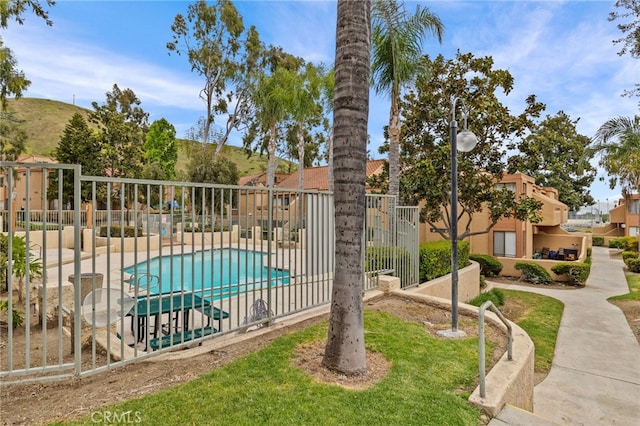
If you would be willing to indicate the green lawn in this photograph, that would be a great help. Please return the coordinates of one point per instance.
(633, 280)
(429, 383)
(541, 321)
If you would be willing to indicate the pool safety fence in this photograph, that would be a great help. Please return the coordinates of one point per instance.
(165, 265)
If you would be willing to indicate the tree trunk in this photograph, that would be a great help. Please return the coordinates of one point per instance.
(300, 159)
(394, 149)
(345, 349)
(272, 161)
(330, 160)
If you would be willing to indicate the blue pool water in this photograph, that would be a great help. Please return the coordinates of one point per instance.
(215, 273)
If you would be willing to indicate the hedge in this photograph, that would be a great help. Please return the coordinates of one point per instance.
(435, 258)
(633, 265)
(489, 265)
(577, 271)
(597, 240)
(626, 255)
(386, 258)
(533, 273)
(118, 231)
(625, 243)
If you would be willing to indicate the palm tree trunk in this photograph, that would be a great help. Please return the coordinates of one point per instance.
(394, 149)
(345, 350)
(272, 161)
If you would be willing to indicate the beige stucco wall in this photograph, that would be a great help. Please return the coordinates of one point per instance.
(468, 284)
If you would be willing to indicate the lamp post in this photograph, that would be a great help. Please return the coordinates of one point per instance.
(464, 141)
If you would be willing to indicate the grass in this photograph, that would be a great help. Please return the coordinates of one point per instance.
(44, 121)
(633, 280)
(541, 320)
(428, 384)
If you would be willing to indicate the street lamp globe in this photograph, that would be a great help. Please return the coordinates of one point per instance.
(466, 141)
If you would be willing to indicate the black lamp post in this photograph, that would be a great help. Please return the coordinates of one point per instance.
(464, 141)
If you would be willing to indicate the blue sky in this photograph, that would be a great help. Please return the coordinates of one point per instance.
(561, 51)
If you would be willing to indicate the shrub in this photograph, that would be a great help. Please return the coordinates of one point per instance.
(489, 265)
(589, 251)
(633, 265)
(533, 273)
(386, 258)
(118, 231)
(630, 243)
(496, 296)
(577, 271)
(435, 258)
(18, 316)
(616, 243)
(597, 240)
(626, 255)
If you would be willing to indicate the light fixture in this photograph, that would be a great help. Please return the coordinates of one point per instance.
(464, 141)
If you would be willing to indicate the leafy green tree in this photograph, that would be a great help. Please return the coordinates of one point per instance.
(78, 145)
(13, 138)
(160, 147)
(204, 169)
(617, 143)
(426, 153)
(272, 103)
(397, 60)
(345, 348)
(122, 127)
(16, 8)
(12, 80)
(23, 262)
(305, 104)
(552, 155)
(211, 38)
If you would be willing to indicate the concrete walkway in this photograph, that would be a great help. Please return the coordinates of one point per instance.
(595, 376)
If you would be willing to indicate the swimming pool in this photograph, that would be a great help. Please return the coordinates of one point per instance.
(212, 273)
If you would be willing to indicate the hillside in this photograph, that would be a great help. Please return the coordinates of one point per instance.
(44, 121)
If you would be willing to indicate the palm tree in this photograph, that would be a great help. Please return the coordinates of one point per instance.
(618, 143)
(345, 351)
(397, 60)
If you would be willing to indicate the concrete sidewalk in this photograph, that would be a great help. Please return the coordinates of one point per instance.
(595, 376)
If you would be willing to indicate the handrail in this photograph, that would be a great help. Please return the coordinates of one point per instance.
(481, 362)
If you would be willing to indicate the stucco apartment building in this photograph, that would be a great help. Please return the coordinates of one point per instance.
(511, 240)
(624, 219)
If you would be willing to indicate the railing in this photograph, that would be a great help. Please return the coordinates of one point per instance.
(292, 249)
(481, 351)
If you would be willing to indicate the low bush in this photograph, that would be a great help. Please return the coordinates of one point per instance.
(633, 265)
(597, 240)
(626, 255)
(435, 258)
(616, 243)
(386, 258)
(577, 271)
(496, 296)
(119, 231)
(489, 265)
(625, 243)
(533, 273)
(16, 315)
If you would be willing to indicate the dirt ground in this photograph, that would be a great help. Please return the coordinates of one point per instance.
(42, 403)
(46, 402)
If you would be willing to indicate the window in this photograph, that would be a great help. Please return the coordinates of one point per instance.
(634, 207)
(511, 186)
(504, 244)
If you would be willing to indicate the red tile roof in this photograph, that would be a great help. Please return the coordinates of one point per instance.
(317, 178)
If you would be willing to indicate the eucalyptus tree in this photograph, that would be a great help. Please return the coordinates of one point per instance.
(211, 38)
(345, 349)
(553, 154)
(426, 151)
(397, 60)
(272, 107)
(617, 143)
(306, 111)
